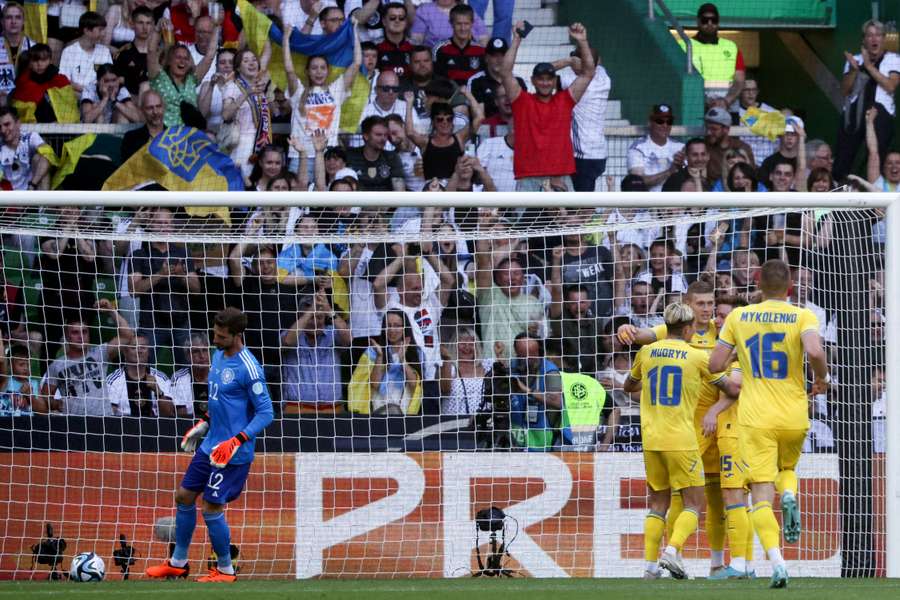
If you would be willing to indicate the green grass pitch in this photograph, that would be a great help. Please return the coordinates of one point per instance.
(471, 589)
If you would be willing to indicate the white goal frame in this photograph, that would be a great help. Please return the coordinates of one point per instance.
(889, 202)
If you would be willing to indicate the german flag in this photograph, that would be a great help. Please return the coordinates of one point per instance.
(32, 90)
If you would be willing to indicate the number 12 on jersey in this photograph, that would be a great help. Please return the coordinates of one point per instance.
(765, 361)
(665, 385)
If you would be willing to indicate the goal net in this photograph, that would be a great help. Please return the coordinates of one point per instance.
(421, 362)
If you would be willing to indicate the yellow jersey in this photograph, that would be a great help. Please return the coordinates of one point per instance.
(701, 340)
(727, 421)
(767, 337)
(672, 373)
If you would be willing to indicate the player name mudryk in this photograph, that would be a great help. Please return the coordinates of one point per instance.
(668, 353)
(768, 317)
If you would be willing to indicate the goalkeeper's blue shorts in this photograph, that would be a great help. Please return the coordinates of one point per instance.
(219, 486)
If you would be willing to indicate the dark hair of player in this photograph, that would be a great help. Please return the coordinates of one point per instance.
(231, 319)
(774, 278)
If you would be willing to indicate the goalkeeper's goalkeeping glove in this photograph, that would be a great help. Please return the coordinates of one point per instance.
(192, 438)
(224, 451)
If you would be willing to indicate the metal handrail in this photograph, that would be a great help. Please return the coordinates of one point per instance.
(673, 22)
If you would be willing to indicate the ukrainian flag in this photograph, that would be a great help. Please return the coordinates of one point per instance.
(337, 48)
(36, 20)
(86, 161)
(179, 159)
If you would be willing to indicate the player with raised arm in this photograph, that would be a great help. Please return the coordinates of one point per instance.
(771, 338)
(700, 297)
(240, 408)
(671, 374)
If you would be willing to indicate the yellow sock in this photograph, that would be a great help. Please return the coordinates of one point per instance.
(654, 526)
(675, 508)
(750, 544)
(766, 525)
(715, 516)
(786, 481)
(685, 525)
(738, 526)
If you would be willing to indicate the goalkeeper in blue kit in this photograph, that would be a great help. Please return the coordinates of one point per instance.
(239, 409)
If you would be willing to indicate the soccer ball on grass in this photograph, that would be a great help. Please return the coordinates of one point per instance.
(87, 566)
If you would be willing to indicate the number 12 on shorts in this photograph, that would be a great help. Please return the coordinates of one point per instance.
(765, 361)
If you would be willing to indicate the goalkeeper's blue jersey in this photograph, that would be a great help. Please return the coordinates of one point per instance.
(238, 401)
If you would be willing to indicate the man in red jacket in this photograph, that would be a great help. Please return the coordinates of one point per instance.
(544, 157)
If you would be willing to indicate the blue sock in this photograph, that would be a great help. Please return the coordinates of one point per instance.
(220, 537)
(185, 522)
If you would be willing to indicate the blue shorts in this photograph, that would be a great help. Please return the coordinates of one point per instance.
(219, 486)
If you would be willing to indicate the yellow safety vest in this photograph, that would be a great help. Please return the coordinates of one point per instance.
(715, 62)
(583, 401)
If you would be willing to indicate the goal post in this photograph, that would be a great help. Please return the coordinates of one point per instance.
(369, 495)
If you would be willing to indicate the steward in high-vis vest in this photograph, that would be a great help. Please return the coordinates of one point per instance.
(583, 401)
(719, 61)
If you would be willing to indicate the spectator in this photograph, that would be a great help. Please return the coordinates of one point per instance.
(819, 155)
(80, 60)
(820, 180)
(388, 378)
(22, 154)
(505, 309)
(485, 84)
(719, 61)
(131, 59)
(163, 276)
(536, 397)
(74, 381)
(695, 168)
(803, 284)
(16, 45)
(386, 100)
(63, 28)
(462, 373)
(245, 108)
(267, 167)
(153, 109)
(749, 98)
(659, 274)
(365, 321)
(544, 119)
(330, 20)
(176, 82)
(212, 93)
(887, 179)
(742, 178)
(729, 159)
(118, 30)
(299, 263)
(409, 153)
(312, 362)
(107, 101)
(376, 169)
(395, 49)
(575, 327)
(655, 157)
(190, 387)
(17, 387)
(718, 142)
(788, 149)
(443, 147)
(644, 309)
(458, 58)
(501, 122)
(495, 154)
(32, 97)
(136, 389)
(205, 40)
(469, 176)
(744, 270)
(503, 14)
(433, 24)
(870, 80)
(580, 262)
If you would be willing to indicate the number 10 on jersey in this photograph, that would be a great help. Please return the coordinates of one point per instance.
(665, 385)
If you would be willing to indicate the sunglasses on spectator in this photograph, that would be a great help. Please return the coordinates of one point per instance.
(396, 18)
(706, 20)
(389, 88)
(663, 121)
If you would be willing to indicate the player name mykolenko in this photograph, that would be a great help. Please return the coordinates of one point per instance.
(768, 317)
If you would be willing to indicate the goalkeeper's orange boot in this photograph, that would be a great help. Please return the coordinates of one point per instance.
(167, 571)
(217, 576)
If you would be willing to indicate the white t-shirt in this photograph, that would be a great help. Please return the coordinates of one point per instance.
(496, 157)
(117, 391)
(89, 94)
(589, 116)
(7, 68)
(372, 109)
(80, 66)
(414, 183)
(323, 111)
(198, 58)
(424, 320)
(365, 320)
(651, 158)
(890, 63)
(16, 162)
(244, 121)
(182, 390)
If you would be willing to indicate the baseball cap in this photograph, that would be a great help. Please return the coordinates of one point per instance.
(543, 68)
(708, 8)
(662, 110)
(790, 122)
(719, 116)
(497, 45)
(346, 172)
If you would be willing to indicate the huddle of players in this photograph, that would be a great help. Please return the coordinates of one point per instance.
(728, 436)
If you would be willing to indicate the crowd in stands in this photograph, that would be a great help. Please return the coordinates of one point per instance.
(448, 327)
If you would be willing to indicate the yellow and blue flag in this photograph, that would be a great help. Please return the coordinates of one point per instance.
(337, 48)
(36, 20)
(179, 159)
